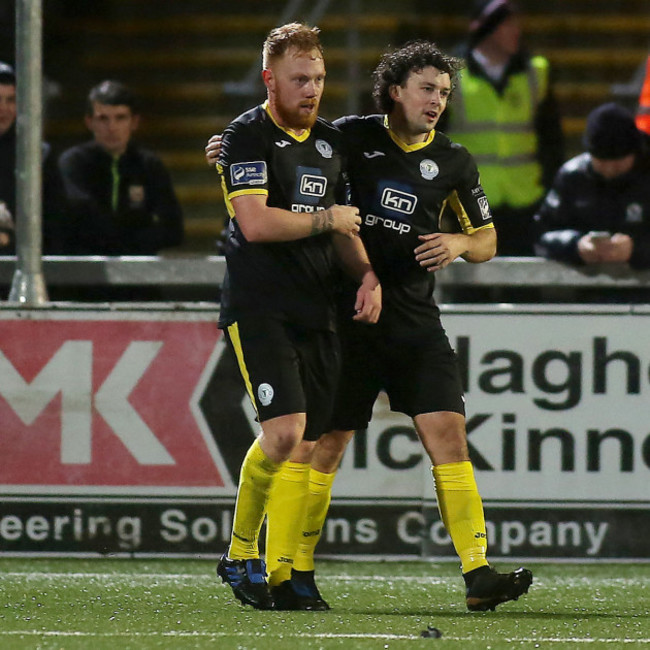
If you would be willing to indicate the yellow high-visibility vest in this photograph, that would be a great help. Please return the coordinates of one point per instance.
(498, 130)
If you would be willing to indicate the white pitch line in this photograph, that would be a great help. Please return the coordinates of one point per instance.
(204, 577)
(222, 635)
(539, 582)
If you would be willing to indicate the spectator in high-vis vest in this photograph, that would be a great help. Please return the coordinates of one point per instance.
(643, 111)
(505, 114)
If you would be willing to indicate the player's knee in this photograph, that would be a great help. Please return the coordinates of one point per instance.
(286, 441)
(282, 435)
(330, 450)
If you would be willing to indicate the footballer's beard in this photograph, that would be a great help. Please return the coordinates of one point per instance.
(294, 118)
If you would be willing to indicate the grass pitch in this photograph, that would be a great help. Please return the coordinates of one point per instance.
(139, 604)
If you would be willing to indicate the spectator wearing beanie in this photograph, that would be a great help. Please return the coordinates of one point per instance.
(504, 112)
(598, 209)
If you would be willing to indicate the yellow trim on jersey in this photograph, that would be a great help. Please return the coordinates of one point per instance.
(252, 190)
(233, 332)
(300, 138)
(459, 210)
(224, 189)
(408, 148)
(487, 226)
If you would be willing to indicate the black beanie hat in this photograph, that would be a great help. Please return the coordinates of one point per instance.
(611, 132)
(487, 16)
(7, 74)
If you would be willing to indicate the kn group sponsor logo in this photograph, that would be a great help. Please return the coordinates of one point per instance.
(111, 405)
(391, 224)
(313, 185)
(398, 201)
(310, 187)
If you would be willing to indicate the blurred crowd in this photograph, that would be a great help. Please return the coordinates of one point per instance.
(111, 196)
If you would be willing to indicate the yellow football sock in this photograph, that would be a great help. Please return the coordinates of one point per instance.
(255, 481)
(318, 503)
(285, 516)
(461, 510)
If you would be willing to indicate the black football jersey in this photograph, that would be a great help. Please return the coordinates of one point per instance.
(404, 191)
(294, 279)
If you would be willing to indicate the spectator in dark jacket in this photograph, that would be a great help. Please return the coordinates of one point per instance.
(120, 195)
(598, 210)
(53, 200)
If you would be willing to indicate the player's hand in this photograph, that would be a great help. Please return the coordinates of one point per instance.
(213, 149)
(345, 219)
(368, 304)
(439, 249)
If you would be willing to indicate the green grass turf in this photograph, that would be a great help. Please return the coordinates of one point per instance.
(142, 604)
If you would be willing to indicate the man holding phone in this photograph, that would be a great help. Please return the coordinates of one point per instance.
(598, 210)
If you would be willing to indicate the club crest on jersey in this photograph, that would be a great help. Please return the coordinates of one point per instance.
(399, 201)
(429, 169)
(248, 173)
(324, 148)
(265, 394)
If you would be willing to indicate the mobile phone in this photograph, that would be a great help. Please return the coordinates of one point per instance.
(599, 235)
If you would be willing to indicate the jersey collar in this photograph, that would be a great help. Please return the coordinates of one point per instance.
(408, 147)
(300, 138)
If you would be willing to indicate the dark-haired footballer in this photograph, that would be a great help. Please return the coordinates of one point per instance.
(404, 177)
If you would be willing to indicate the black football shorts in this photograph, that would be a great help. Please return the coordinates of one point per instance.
(419, 375)
(287, 369)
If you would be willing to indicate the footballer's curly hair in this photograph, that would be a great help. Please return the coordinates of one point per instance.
(293, 35)
(395, 67)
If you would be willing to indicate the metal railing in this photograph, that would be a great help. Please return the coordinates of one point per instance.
(207, 272)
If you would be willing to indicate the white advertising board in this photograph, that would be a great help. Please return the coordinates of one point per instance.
(123, 432)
